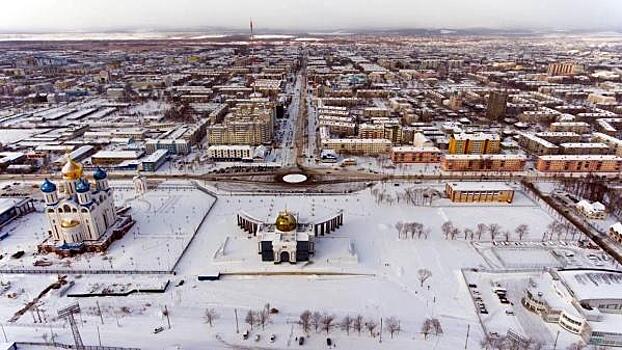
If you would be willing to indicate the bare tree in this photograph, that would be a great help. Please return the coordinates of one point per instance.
(357, 323)
(327, 322)
(371, 326)
(392, 325)
(468, 233)
(305, 321)
(423, 275)
(576, 346)
(447, 227)
(438, 330)
(316, 317)
(494, 230)
(210, 316)
(263, 317)
(400, 229)
(455, 232)
(507, 235)
(481, 229)
(487, 342)
(346, 323)
(417, 230)
(426, 328)
(250, 318)
(521, 231)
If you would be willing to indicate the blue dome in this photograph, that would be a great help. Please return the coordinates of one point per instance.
(83, 186)
(99, 174)
(48, 186)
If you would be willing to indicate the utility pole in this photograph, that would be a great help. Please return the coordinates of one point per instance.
(556, 339)
(466, 341)
(380, 330)
(168, 320)
(237, 325)
(99, 336)
(99, 309)
(6, 340)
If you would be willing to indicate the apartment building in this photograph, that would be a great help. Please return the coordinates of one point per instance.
(413, 154)
(483, 162)
(474, 144)
(366, 147)
(579, 163)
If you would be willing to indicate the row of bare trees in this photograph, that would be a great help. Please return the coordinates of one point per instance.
(325, 322)
(557, 229)
(259, 317)
(414, 229)
(413, 196)
(431, 326)
(493, 231)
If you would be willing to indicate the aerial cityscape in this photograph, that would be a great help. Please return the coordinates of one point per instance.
(261, 186)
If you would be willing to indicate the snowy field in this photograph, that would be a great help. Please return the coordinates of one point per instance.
(166, 218)
(363, 268)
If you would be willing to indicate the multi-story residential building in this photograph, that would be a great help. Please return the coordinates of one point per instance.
(474, 144)
(230, 152)
(413, 154)
(173, 146)
(578, 127)
(368, 147)
(497, 104)
(564, 68)
(536, 145)
(584, 148)
(248, 124)
(614, 144)
(579, 163)
(483, 162)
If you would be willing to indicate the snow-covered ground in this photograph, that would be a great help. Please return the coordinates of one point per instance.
(166, 219)
(362, 268)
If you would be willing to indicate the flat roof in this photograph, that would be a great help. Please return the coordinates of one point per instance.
(587, 284)
(117, 154)
(485, 156)
(480, 186)
(8, 203)
(581, 157)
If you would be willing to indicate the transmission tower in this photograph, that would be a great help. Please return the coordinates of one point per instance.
(67, 313)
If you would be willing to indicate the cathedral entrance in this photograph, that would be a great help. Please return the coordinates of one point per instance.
(284, 257)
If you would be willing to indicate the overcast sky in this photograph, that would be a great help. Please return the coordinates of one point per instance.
(85, 15)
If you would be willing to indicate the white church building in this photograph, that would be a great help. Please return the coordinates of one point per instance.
(78, 211)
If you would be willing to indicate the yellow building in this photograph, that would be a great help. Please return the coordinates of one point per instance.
(474, 144)
(479, 192)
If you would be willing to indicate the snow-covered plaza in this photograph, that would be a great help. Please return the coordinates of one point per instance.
(368, 267)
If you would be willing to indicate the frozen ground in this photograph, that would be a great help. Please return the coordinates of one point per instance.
(166, 218)
(362, 268)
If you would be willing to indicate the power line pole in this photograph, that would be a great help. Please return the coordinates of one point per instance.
(237, 325)
(99, 336)
(168, 320)
(466, 341)
(556, 339)
(380, 330)
(6, 340)
(99, 309)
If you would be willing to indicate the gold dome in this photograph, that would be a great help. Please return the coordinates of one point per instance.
(72, 170)
(69, 223)
(285, 222)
